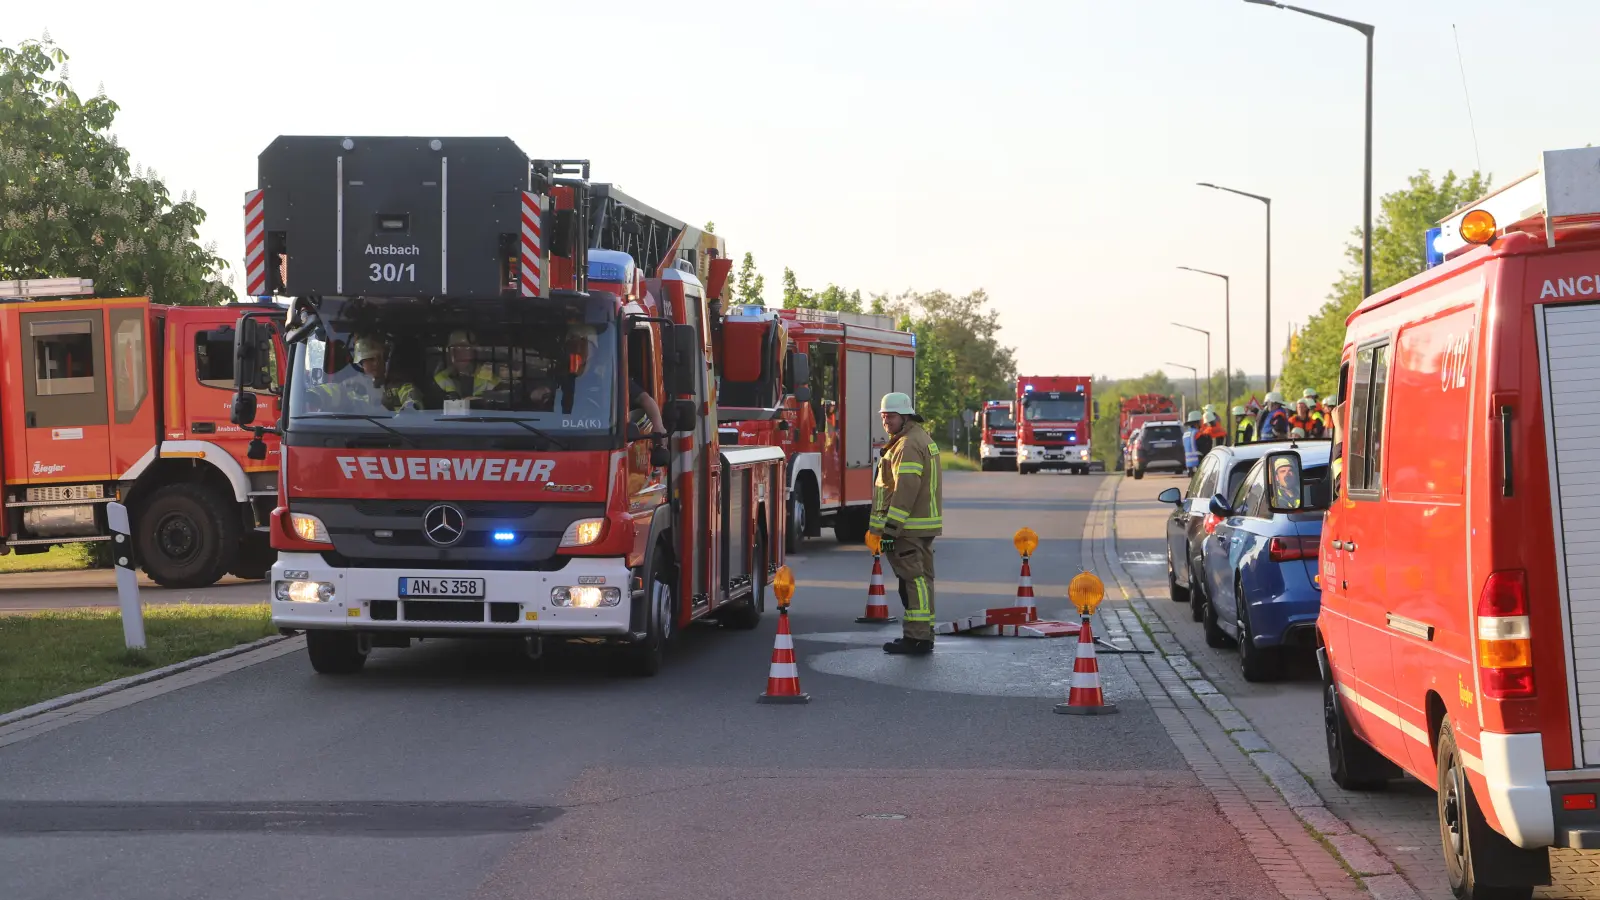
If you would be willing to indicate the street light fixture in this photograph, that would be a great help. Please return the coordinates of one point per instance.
(1366, 193)
(1209, 370)
(1195, 373)
(1227, 338)
(1268, 202)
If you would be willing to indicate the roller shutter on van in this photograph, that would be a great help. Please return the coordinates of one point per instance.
(1571, 375)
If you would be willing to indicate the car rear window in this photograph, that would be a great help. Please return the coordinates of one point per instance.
(1162, 433)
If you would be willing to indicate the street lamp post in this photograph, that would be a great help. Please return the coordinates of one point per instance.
(1227, 338)
(1268, 202)
(1195, 376)
(1366, 193)
(1209, 370)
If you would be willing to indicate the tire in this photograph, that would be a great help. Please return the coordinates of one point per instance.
(794, 530)
(747, 615)
(850, 525)
(1473, 852)
(1175, 592)
(1257, 664)
(1138, 473)
(1197, 597)
(646, 658)
(1352, 763)
(1215, 636)
(187, 536)
(337, 652)
(255, 557)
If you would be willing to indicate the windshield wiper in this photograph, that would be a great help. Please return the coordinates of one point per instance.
(560, 445)
(365, 418)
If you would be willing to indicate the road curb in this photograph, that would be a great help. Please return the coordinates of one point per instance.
(1377, 872)
(122, 684)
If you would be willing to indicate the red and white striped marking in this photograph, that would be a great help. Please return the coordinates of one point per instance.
(532, 269)
(877, 607)
(1008, 621)
(1025, 591)
(255, 243)
(783, 681)
(1086, 698)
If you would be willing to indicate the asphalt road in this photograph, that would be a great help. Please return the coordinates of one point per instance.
(462, 770)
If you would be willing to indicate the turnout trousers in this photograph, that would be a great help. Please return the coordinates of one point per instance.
(912, 561)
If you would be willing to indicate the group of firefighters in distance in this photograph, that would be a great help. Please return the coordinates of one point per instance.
(1274, 420)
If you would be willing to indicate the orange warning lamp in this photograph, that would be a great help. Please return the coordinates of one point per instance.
(1477, 227)
(1026, 541)
(874, 543)
(1086, 590)
(783, 586)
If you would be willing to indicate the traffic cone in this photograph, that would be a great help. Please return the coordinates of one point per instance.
(877, 607)
(783, 681)
(1085, 698)
(1025, 592)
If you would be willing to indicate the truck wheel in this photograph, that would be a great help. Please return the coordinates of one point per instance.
(747, 615)
(1352, 763)
(1138, 473)
(984, 466)
(1481, 863)
(646, 657)
(187, 536)
(337, 652)
(1255, 663)
(850, 525)
(794, 530)
(255, 557)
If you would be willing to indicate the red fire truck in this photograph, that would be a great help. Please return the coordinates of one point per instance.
(1460, 596)
(997, 435)
(122, 399)
(1055, 415)
(1135, 412)
(464, 448)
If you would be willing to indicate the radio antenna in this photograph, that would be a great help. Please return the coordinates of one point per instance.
(1471, 122)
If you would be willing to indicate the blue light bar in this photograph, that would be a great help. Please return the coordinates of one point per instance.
(503, 537)
(605, 271)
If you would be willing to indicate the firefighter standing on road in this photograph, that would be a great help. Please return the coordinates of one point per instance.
(905, 513)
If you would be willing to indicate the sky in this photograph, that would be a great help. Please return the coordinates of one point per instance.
(1045, 152)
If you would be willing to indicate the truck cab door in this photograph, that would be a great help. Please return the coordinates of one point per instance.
(65, 402)
(204, 369)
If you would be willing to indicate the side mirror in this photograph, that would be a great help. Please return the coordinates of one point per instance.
(1219, 507)
(682, 353)
(244, 408)
(800, 373)
(1285, 493)
(1170, 495)
(247, 340)
(679, 415)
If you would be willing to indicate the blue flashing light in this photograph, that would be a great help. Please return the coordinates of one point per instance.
(599, 270)
(1430, 254)
(1026, 388)
(504, 537)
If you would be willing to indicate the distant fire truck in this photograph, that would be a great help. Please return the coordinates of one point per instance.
(1055, 417)
(997, 427)
(106, 399)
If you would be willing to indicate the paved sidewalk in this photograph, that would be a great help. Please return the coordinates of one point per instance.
(1399, 822)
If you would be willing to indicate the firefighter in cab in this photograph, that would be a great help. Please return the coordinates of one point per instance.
(905, 514)
(371, 387)
(461, 378)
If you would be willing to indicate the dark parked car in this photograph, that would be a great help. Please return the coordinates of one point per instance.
(1221, 472)
(1261, 561)
(1158, 445)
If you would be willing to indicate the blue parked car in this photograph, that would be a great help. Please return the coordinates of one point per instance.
(1260, 564)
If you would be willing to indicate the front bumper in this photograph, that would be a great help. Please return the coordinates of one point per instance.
(361, 593)
(996, 451)
(1051, 457)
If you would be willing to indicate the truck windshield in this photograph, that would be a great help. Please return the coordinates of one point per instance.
(1000, 418)
(443, 366)
(1043, 409)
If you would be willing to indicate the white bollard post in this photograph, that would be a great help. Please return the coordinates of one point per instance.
(127, 577)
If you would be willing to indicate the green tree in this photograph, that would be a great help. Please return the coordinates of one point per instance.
(751, 287)
(960, 360)
(711, 228)
(1398, 238)
(71, 206)
(832, 297)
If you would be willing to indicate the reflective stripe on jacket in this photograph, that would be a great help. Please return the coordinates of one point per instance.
(906, 495)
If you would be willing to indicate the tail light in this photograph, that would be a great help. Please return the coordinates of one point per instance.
(1211, 522)
(1284, 549)
(1505, 645)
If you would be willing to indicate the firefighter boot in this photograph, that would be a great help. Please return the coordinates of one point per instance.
(906, 647)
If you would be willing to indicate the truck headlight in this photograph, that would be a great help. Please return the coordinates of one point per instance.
(583, 532)
(303, 591)
(585, 597)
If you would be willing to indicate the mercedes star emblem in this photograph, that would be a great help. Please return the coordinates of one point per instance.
(444, 525)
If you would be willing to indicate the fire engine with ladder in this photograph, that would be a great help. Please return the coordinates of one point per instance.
(105, 399)
(473, 335)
